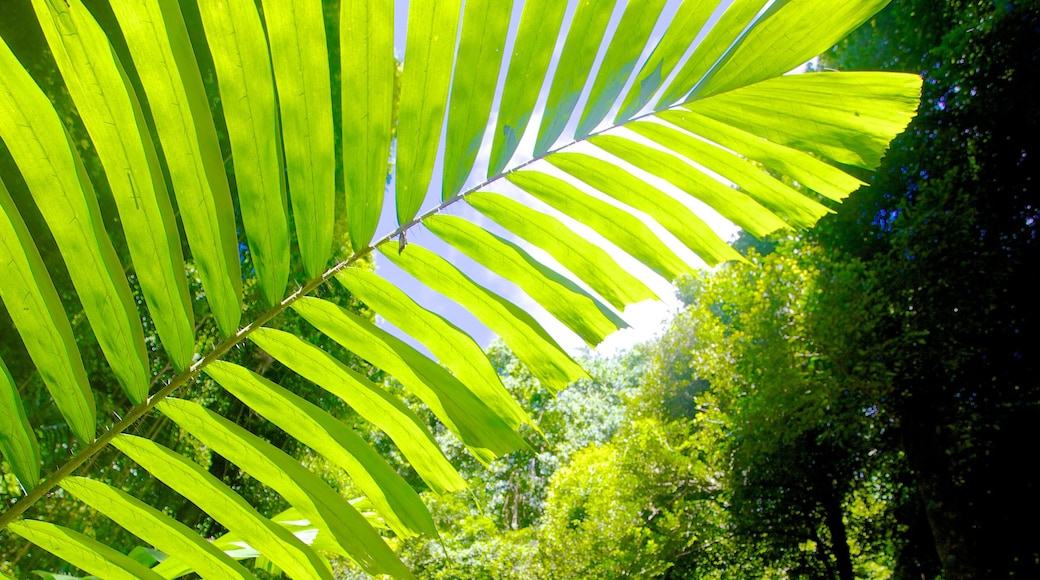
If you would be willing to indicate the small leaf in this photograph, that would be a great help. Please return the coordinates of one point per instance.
(575, 308)
(540, 25)
(82, 552)
(154, 527)
(622, 228)
(225, 506)
(305, 491)
(369, 400)
(158, 41)
(429, 54)
(368, 69)
(528, 340)
(301, 71)
(243, 68)
(395, 500)
(17, 439)
(579, 52)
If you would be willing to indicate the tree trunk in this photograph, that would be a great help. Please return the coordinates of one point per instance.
(948, 518)
(835, 521)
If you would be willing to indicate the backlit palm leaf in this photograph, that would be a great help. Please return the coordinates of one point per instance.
(638, 123)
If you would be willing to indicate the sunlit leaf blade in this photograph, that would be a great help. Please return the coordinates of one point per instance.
(691, 16)
(526, 338)
(82, 552)
(393, 498)
(367, 77)
(17, 439)
(624, 51)
(35, 309)
(672, 214)
(729, 202)
(237, 547)
(243, 68)
(794, 207)
(476, 424)
(794, 32)
(429, 54)
(854, 115)
(622, 228)
(825, 179)
(485, 25)
(565, 300)
(452, 347)
(225, 506)
(370, 401)
(723, 36)
(305, 491)
(154, 527)
(163, 57)
(113, 118)
(540, 25)
(52, 169)
(301, 70)
(579, 52)
(589, 262)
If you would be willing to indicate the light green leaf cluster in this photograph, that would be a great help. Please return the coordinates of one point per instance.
(138, 86)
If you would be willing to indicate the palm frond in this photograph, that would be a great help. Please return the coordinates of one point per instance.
(645, 117)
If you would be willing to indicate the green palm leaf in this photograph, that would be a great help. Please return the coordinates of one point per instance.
(665, 126)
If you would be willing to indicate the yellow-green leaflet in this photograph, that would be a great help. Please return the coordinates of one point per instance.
(854, 115)
(796, 209)
(579, 52)
(452, 347)
(237, 548)
(578, 310)
(112, 116)
(367, 73)
(589, 262)
(672, 214)
(370, 401)
(539, 27)
(691, 16)
(82, 552)
(247, 92)
(391, 495)
(733, 25)
(529, 341)
(52, 169)
(35, 308)
(225, 506)
(485, 25)
(305, 491)
(729, 202)
(825, 179)
(622, 54)
(163, 56)
(477, 425)
(622, 228)
(429, 54)
(793, 32)
(301, 70)
(17, 439)
(155, 528)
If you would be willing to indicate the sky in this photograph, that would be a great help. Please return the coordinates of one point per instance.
(645, 319)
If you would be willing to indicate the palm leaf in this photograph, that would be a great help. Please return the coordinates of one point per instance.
(667, 127)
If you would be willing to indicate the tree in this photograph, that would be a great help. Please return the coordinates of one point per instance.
(946, 232)
(132, 70)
